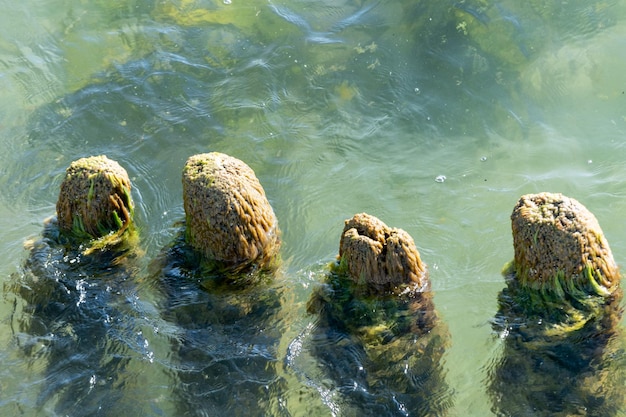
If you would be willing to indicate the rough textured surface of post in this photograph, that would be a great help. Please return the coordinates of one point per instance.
(559, 315)
(559, 246)
(378, 255)
(95, 198)
(228, 217)
(377, 334)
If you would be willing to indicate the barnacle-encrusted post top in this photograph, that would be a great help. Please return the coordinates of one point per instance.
(380, 256)
(559, 246)
(95, 198)
(228, 217)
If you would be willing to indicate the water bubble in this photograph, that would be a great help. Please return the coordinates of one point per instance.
(228, 1)
(440, 178)
(417, 90)
(590, 161)
(483, 159)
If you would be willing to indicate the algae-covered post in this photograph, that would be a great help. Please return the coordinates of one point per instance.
(220, 289)
(560, 247)
(380, 257)
(95, 198)
(73, 295)
(228, 217)
(558, 314)
(377, 333)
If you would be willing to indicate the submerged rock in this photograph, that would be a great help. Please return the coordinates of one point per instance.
(95, 198)
(559, 315)
(228, 217)
(377, 334)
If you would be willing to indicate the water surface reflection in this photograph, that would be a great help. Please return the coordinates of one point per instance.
(79, 324)
(339, 107)
(226, 342)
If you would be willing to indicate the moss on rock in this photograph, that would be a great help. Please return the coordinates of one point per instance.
(384, 258)
(228, 217)
(95, 198)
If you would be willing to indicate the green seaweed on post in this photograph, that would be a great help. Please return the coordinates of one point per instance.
(376, 300)
(95, 204)
(558, 315)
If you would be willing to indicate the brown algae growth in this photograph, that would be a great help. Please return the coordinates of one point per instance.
(95, 201)
(558, 315)
(377, 330)
(563, 269)
(559, 246)
(228, 217)
(384, 258)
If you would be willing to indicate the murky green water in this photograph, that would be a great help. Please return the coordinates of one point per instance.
(433, 116)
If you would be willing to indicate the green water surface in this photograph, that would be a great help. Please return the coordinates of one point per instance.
(434, 116)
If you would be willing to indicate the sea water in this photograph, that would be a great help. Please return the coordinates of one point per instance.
(433, 116)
